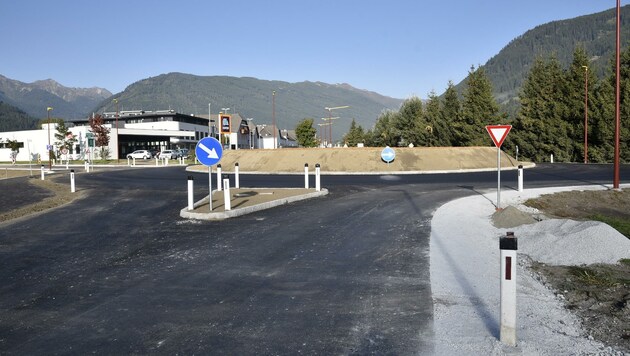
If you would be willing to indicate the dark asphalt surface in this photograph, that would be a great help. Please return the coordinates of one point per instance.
(119, 271)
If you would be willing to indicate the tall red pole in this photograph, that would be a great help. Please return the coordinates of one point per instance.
(617, 100)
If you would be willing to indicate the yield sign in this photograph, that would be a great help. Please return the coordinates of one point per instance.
(498, 133)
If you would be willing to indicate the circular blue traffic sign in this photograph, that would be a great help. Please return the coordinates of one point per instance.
(209, 151)
(388, 154)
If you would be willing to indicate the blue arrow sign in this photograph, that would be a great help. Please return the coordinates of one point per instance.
(388, 154)
(209, 151)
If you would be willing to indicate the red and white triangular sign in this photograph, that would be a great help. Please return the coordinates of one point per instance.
(498, 133)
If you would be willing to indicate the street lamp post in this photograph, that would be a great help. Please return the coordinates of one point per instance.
(585, 114)
(48, 109)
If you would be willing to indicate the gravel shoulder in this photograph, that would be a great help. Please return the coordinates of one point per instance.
(599, 293)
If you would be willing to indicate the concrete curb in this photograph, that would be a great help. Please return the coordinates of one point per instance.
(185, 213)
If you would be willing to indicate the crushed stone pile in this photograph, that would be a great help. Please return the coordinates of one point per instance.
(563, 241)
(511, 217)
(570, 242)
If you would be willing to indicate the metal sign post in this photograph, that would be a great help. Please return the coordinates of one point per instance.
(498, 133)
(209, 152)
(210, 187)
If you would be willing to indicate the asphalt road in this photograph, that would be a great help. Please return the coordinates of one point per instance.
(119, 271)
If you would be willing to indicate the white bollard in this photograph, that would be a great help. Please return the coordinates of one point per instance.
(237, 180)
(128, 161)
(520, 178)
(166, 159)
(551, 159)
(42, 172)
(86, 166)
(72, 187)
(157, 161)
(67, 163)
(318, 186)
(134, 161)
(305, 175)
(191, 203)
(508, 247)
(219, 188)
(226, 194)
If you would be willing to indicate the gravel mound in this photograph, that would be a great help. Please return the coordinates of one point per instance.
(570, 242)
(511, 217)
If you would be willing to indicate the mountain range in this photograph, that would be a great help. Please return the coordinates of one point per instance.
(251, 97)
(254, 98)
(34, 98)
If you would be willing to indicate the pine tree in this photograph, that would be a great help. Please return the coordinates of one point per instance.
(306, 133)
(355, 135)
(437, 131)
(478, 110)
(383, 133)
(540, 127)
(451, 113)
(601, 123)
(409, 126)
(64, 138)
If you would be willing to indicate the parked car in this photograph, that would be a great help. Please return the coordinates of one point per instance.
(144, 154)
(168, 154)
(182, 153)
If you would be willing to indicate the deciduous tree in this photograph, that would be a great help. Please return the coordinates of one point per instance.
(101, 134)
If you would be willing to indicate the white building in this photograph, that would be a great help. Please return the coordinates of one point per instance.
(147, 130)
(129, 131)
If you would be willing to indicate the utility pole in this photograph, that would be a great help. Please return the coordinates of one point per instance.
(273, 94)
(330, 118)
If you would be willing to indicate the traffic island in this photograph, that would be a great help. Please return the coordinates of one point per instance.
(247, 200)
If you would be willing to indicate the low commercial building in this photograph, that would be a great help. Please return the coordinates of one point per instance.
(129, 131)
(143, 130)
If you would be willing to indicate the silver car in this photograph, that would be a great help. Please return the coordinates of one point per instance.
(144, 154)
(168, 154)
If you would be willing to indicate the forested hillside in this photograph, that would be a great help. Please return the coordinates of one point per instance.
(14, 119)
(595, 33)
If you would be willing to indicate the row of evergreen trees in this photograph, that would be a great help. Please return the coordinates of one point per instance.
(550, 119)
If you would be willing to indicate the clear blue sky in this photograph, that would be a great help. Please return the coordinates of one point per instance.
(397, 48)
